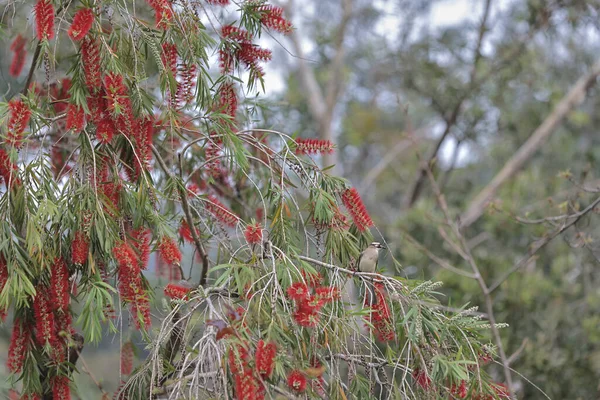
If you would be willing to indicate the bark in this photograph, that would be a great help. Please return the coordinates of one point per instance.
(572, 99)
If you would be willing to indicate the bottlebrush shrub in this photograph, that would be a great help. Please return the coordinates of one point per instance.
(113, 169)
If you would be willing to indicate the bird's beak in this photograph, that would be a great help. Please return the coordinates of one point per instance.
(382, 247)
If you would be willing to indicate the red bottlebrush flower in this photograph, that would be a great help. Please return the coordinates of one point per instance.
(185, 88)
(213, 162)
(313, 146)
(220, 212)
(298, 291)
(18, 48)
(357, 209)
(90, 57)
(127, 358)
(421, 378)
(163, 12)
(218, 2)
(459, 391)
(307, 313)
(79, 248)
(235, 33)
(75, 118)
(19, 345)
(260, 213)
(186, 232)
(169, 57)
(3, 280)
(228, 101)
(265, 358)
(253, 233)
(44, 317)
(17, 122)
(59, 284)
(130, 283)
(247, 387)
(116, 93)
(250, 53)
(105, 131)
(8, 170)
(82, 23)
(60, 388)
(327, 293)
(272, 17)
(296, 381)
(142, 136)
(44, 19)
(177, 291)
(141, 239)
(169, 251)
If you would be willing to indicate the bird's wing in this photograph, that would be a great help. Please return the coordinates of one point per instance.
(358, 261)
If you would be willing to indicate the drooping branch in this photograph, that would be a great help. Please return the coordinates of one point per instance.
(572, 99)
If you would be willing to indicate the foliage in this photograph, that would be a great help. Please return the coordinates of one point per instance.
(134, 136)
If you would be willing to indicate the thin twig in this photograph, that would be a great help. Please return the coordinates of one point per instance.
(538, 245)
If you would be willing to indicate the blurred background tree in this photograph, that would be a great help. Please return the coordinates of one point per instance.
(461, 86)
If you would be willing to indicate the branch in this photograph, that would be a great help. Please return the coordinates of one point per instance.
(575, 97)
(415, 190)
(538, 245)
(468, 257)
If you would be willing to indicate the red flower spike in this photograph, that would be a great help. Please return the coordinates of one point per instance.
(8, 170)
(75, 118)
(90, 57)
(253, 233)
(298, 291)
(60, 388)
(177, 291)
(228, 101)
(116, 94)
(265, 358)
(272, 17)
(218, 2)
(357, 209)
(328, 293)
(79, 248)
(82, 23)
(185, 88)
(313, 146)
(421, 378)
(19, 114)
(296, 381)
(306, 315)
(18, 48)
(459, 391)
(105, 131)
(19, 345)
(3, 280)
(44, 19)
(163, 12)
(59, 285)
(44, 317)
(141, 239)
(235, 33)
(169, 251)
(127, 358)
(169, 57)
(220, 212)
(186, 233)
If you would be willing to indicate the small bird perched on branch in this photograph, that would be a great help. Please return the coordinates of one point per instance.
(367, 262)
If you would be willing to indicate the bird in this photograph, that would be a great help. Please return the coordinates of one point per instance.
(367, 262)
